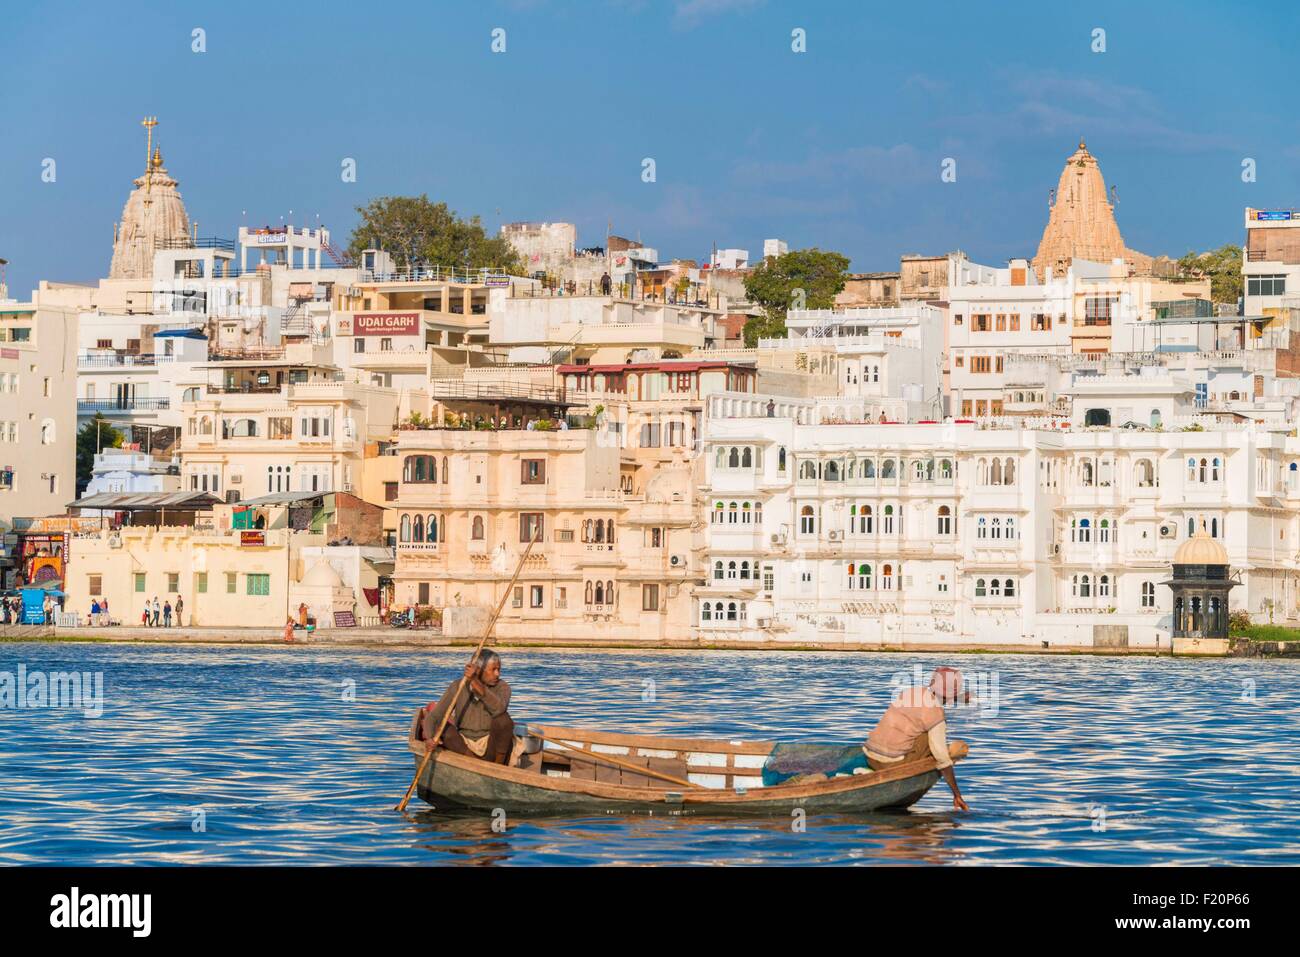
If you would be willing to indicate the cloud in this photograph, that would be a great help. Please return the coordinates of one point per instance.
(688, 14)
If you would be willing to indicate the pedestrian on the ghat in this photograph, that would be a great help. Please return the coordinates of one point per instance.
(157, 611)
(180, 606)
(167, 613)
(288, 630)
(144, 617)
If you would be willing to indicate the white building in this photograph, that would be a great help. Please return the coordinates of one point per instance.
(1270, 269)
(822, 529)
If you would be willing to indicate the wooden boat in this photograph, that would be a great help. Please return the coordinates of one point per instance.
(725, 777)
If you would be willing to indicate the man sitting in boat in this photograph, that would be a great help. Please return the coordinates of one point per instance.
(914, 727)
(479, 723)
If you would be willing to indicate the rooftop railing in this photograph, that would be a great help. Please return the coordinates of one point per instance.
(451, 274)
(122, 405)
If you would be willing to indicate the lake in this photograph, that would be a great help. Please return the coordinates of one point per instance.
(238, 755)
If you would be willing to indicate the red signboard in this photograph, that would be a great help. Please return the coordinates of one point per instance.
(9, 353)
(252, 538)
(385, 323)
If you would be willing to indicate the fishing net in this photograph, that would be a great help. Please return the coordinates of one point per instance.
(792, 760)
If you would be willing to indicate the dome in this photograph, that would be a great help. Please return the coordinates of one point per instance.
(1201, 549)
(322, 575)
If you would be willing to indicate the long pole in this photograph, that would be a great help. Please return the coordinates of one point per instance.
(626, 765)
(537, 534)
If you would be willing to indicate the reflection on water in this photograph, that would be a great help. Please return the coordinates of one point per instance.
(239, 755)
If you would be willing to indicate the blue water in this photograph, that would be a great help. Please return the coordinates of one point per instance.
(1073, 760)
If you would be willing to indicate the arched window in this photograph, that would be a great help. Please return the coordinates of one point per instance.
(1204, 471)
(1214, 528)
(887, 577)
(1214, 470)
(731, 611)
(746, 516)
(191, 394)
(1085, 587)
(1009, 588)
(1191, 470)
(1148, 595)
(705, 611)
(1103, 531)
(981, 588)
(747, 458)
(1011, 528)
(609, 531)
(719, 461)
(888, 469)
(982, 527)
(733, 458)
(1191, 527)
(600, 593)
(995, 588)
(404, 533)
(1103, 586)
(239, 429)
(718, 513)
(589, 593)
(868, 468)
(476, 529)
(446, 472)
(731, 570)
(205, 426)
(431, 529)
(420, 468)
(807, 520)
(1085, 474)
(995, 474)
(945, 520)
(945, 469)
(1146, 476)
(417, 529)
(1155, 418)
(780, 459)
(717, 570)
(1009, 472)
(1085, 530)
(887, 523)
(832, 472)
(732, 514)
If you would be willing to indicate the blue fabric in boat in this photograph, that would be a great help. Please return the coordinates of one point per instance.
(788, 760)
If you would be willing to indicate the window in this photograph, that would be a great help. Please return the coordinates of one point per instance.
(1097, 310)
(807, 520)
(257, 584)
(420, 468)
(1274, 285)
(945, 520)
(649, 597)
(139, 581)
(980, 364)
(390, 491)
(96, 584)
(359, 344)
(536, 594)
(201, 583)
(530, 526)
(517, 597)
(1009, 588)
(981, 588)
(173, 582)
(230, 582)
(476, 529)
(533, 472)
(1148, 595)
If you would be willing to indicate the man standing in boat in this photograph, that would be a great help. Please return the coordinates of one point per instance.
(480, 724)
(914, 726)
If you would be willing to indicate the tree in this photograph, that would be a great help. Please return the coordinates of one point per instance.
(1222, 266)
(800, 279)
(96, 434)
(417, 232)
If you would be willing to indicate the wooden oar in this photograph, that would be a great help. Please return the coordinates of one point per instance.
(627, 765)
(464, 678)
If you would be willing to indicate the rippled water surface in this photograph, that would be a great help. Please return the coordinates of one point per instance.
(1073, 760)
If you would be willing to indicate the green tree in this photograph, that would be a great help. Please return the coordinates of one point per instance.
(802, 278)
(417, 232)
(1222, 266)
(96, 434)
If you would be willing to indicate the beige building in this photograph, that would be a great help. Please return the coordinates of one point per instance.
(607, 563)
(38, 410)
(250, 564)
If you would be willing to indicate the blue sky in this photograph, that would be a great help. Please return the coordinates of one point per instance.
(838, 147)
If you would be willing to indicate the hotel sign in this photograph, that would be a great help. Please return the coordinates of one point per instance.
(1272, 214)
(252, 538)
(9, 354)
(386, 323)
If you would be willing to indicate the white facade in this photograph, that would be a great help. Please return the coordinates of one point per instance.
(822, 530)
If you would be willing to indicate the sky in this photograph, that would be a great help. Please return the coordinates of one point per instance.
(840, 146)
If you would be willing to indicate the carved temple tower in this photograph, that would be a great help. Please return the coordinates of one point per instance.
(153, 214)
(1081, 223)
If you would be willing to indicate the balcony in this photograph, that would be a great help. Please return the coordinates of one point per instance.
(120, 361)
(91, 406)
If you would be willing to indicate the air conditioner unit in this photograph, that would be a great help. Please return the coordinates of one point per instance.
(1169, 530)
(677, 561)
(778, 539)
(764, 622)
(115, 541)
(347, 486)
(236, 480)
(834, 536)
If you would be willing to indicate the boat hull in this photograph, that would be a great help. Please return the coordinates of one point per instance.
(452, 781)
